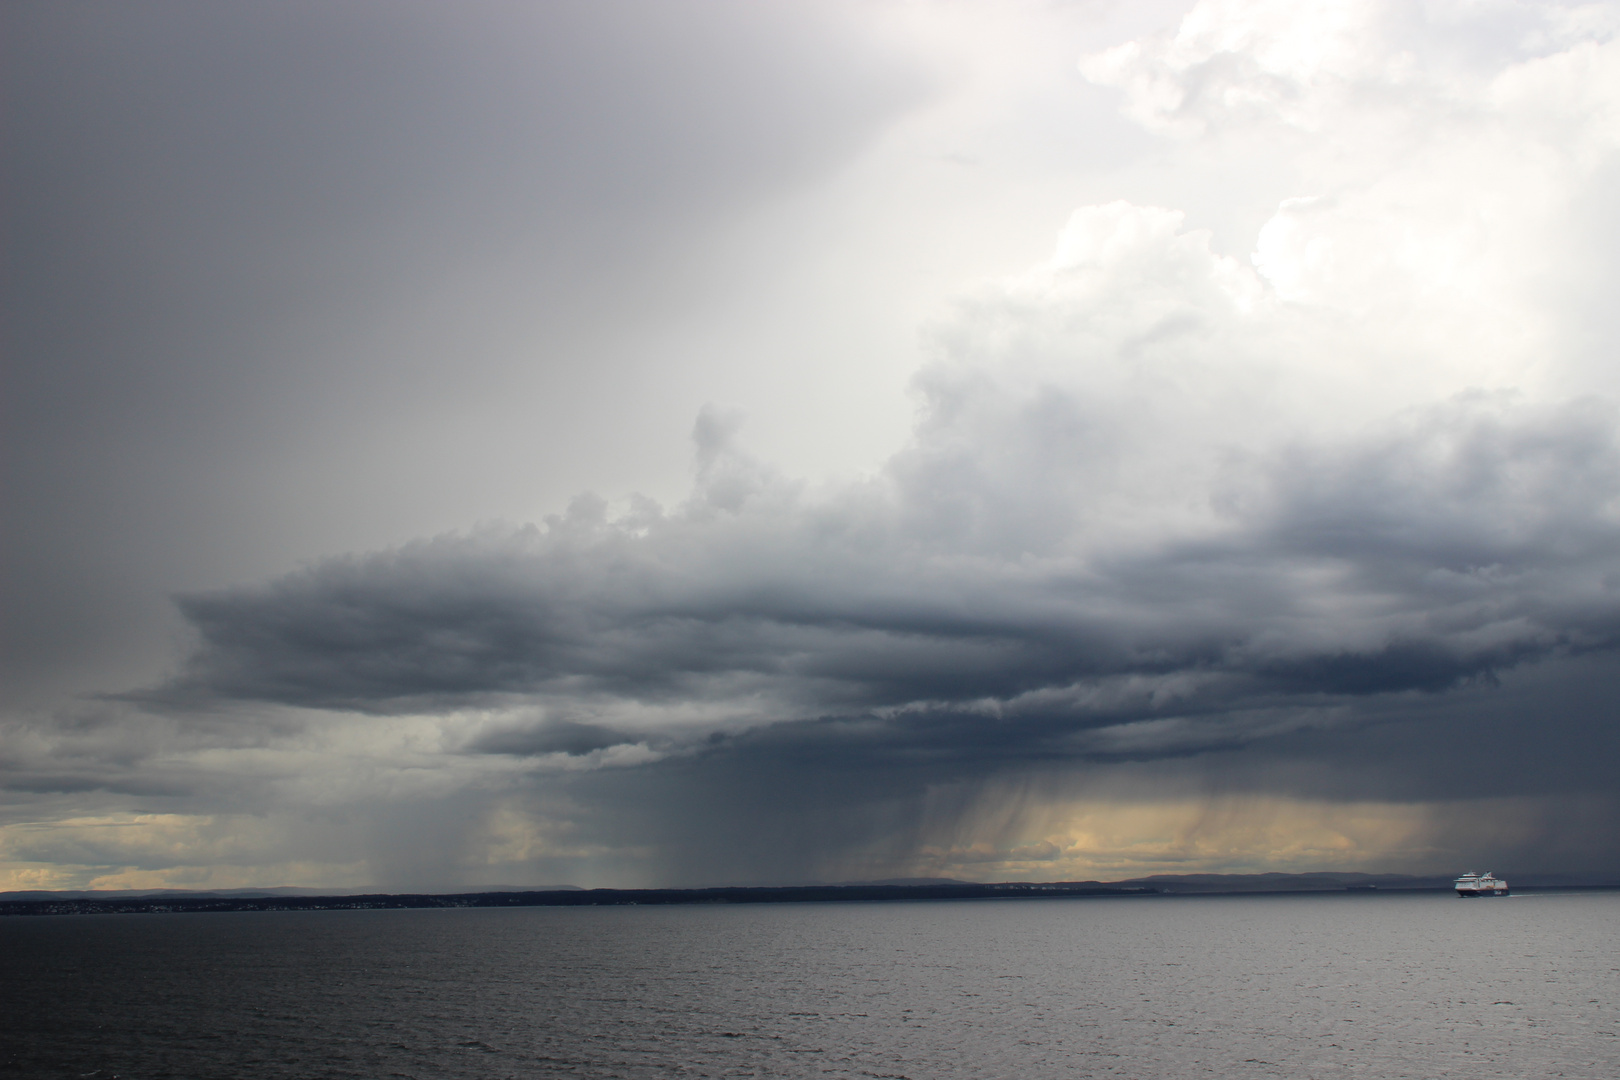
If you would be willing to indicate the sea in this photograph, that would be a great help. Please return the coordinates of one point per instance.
(1369, 985)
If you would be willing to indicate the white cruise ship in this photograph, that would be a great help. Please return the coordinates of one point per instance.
(1486, 884)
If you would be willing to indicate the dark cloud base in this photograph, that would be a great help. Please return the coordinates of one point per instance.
(1427, 614)
(814, 800)
(1457, 544)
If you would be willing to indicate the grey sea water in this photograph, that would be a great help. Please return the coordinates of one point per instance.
(1386, 986)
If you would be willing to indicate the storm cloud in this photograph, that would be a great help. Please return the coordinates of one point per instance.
(1458, 542)
(1267, 517)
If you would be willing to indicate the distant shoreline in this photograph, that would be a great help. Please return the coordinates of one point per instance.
(559, 898)
(1166, 885)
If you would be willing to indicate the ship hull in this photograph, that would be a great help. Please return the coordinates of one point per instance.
(1481, 892)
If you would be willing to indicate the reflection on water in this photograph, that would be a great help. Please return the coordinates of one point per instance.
(1386, 986)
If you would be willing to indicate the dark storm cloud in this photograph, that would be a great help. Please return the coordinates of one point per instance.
(1453, 545)
(290, 280)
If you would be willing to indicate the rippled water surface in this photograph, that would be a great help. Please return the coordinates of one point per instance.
(1415, 985)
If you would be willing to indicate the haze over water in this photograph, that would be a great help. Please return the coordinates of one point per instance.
(1388, 986)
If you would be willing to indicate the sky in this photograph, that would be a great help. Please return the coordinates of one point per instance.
(630, 443)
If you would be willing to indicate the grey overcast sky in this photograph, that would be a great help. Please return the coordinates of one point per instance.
(632, 443)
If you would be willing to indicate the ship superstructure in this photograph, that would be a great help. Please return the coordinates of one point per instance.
(1486, 884)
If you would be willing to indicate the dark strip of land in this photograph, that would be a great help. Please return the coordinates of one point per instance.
(1162, 884)
(568, 898)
